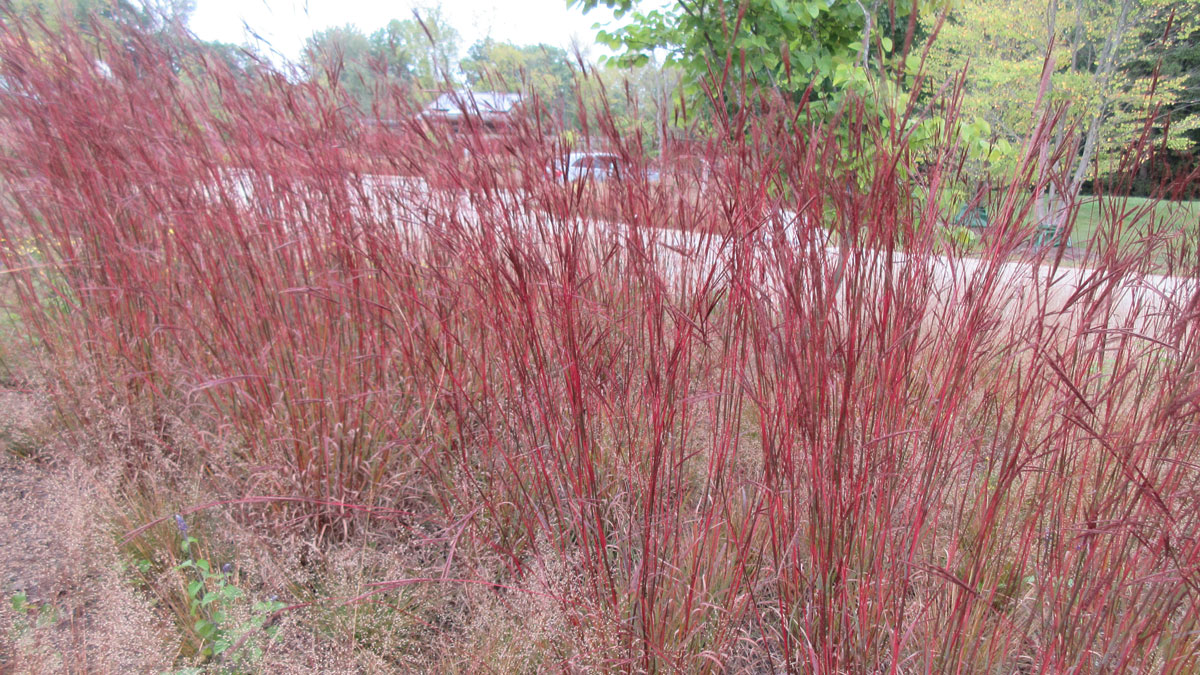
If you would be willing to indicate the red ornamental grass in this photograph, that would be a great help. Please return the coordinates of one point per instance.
(744, 419)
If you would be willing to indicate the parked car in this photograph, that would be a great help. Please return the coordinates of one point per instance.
(599, 167)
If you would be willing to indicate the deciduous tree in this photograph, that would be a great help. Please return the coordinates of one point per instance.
(787, 45)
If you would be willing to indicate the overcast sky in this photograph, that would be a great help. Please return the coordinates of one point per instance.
(285, 24)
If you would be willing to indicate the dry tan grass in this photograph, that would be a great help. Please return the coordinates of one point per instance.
(84, 614)
(63, 505)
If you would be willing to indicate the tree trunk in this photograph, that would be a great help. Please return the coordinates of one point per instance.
(1053, 206)
(1104, 72)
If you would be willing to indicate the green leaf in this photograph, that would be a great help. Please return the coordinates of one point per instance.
(814, 9)
(193, 588)
(204, 628)
(20, 602)
(887, 44)
(784, 12)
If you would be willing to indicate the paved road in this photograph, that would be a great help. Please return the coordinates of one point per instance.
(1145, 304)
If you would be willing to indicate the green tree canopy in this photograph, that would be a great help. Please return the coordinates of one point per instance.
(147, 15)
(1101, 60)
(544, 68)
(423, 48)
(787, 45)
(340, 56)
(1168, 41)
(414, 54)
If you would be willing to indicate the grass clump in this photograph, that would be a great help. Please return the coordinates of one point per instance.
(773, 424)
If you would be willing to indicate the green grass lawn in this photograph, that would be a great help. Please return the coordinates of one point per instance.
(1097, 213)
(1102, 214)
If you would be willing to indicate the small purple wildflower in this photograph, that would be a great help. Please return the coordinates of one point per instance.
(181, 524)
(227, 568)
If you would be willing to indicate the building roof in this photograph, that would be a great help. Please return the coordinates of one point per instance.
(487, 104)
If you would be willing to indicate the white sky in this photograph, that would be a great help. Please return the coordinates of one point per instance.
(285, 24)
